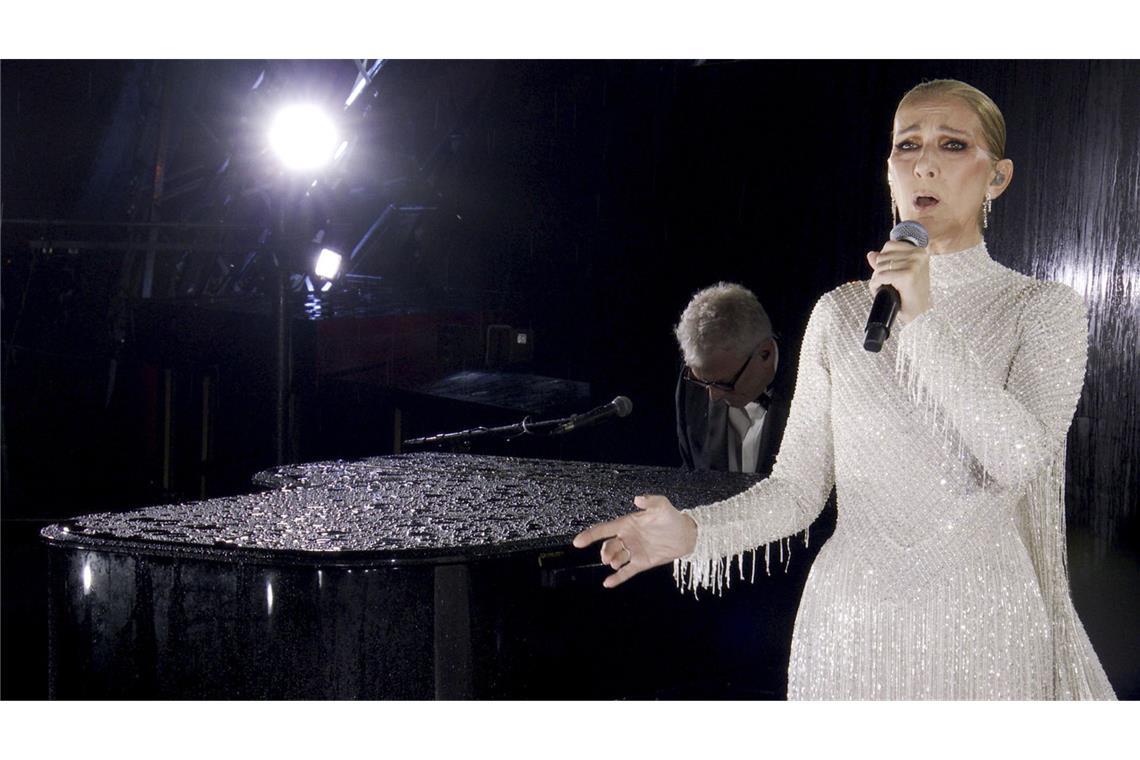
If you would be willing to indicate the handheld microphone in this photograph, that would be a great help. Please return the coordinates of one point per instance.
(886, 305)
(620, 406)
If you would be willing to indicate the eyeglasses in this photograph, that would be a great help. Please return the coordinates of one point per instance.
(728, 387)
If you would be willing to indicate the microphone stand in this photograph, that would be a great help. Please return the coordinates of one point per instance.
(526, 427)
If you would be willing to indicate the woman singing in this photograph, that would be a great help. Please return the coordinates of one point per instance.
(945, 578)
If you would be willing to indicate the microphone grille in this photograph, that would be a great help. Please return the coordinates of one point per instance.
(623, 405)
(911, 232)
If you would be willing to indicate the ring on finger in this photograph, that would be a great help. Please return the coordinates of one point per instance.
(628, 554)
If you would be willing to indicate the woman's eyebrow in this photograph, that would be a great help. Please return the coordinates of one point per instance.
(942, 127)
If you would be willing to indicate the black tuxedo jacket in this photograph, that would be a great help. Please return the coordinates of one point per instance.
(702, 429)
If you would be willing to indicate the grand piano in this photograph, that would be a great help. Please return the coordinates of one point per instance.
(413, 576)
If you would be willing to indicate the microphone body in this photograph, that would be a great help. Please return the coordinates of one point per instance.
(620, 406)
(885, 307)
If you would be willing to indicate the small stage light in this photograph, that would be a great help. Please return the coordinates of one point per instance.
(328, 264)
(303, 137)
(361, 83)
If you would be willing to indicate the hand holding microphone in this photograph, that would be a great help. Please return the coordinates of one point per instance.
(900, 283)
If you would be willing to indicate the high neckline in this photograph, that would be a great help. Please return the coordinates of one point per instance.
(957, 267)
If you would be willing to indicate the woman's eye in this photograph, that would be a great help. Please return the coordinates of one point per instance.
(954, 145)
(906, 145)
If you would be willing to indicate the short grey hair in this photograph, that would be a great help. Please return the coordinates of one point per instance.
(724, 316)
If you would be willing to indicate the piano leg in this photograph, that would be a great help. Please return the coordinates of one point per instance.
(453, 666)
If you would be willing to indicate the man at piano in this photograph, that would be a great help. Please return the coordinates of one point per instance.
(729, 416)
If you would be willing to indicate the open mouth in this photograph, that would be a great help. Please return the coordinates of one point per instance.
(925, 201)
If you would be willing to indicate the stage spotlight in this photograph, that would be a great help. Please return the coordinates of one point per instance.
(328, 264)
(303, 137)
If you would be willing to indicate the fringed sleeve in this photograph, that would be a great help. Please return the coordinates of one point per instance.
(791, 498)
(1012, 427)
(1077, 672)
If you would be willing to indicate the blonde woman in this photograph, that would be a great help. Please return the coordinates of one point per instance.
(945, 577)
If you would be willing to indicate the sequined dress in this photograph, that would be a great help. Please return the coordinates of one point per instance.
(945, 577)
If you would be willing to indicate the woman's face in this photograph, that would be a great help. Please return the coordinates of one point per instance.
(939, 169)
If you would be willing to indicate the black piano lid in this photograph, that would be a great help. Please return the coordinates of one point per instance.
(412, 508)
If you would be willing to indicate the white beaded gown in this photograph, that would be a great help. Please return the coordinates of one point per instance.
(945, 577)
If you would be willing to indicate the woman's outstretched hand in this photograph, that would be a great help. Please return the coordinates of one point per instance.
(657, 533)
(906, 268)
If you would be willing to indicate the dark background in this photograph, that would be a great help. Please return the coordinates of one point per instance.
(583, 200)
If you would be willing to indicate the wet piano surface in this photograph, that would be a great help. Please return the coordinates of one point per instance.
(412, 576)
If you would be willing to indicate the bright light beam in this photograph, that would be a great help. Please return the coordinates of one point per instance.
(303, 137)
(361, 83)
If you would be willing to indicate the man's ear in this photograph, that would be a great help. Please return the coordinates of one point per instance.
(769, 346)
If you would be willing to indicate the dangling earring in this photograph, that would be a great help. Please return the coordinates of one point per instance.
(894, 205)
(987, 207)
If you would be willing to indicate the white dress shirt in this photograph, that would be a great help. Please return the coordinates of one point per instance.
(744, 428)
